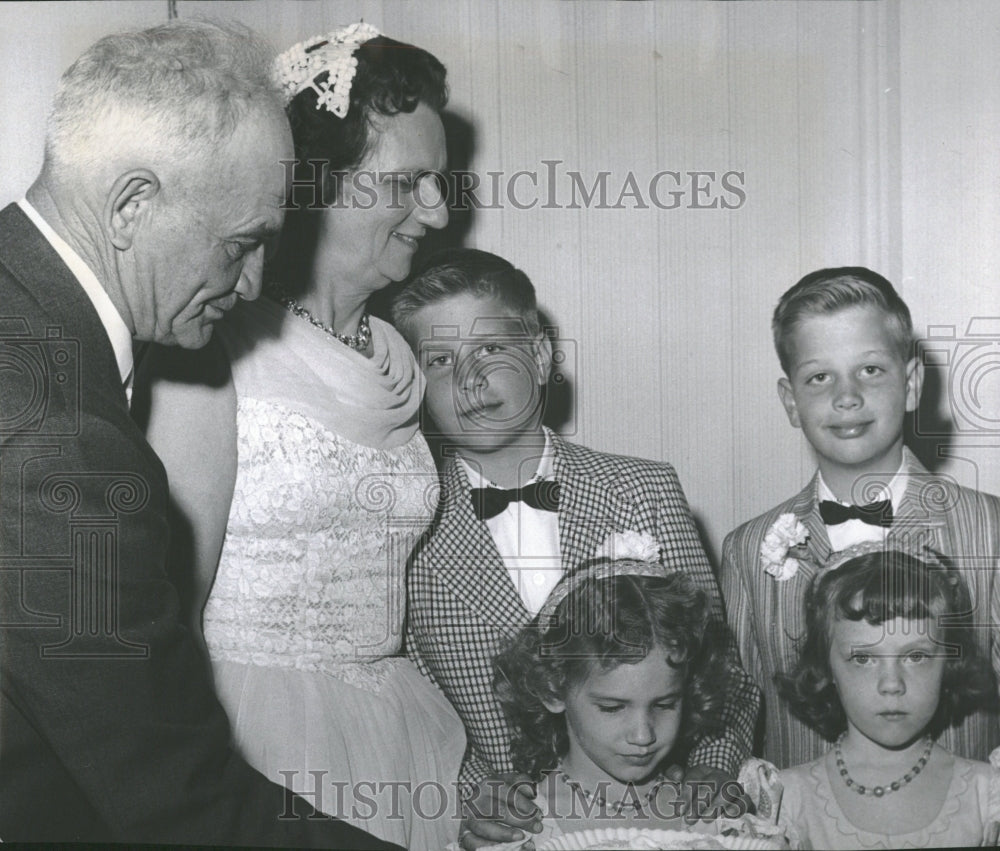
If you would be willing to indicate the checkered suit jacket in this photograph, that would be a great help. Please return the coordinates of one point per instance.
(463, 605)
(767, 616)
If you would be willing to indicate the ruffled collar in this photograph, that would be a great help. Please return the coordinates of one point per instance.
(921, 838)
(281, 358)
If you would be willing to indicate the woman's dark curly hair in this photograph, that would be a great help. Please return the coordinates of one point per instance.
(878, 587)
(605, 622)
(391, 77)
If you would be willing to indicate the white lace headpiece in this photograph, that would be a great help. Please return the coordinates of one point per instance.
(297, 68)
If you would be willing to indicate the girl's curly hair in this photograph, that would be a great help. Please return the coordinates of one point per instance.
(878, 587)
(605, 622)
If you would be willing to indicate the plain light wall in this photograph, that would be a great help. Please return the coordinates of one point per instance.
(865, 133)
(950, 221)
(38, 41)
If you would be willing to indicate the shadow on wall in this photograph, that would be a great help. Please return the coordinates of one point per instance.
(460, 138)
(928, 432)
(559, 396)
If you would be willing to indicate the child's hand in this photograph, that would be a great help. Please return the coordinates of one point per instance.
(500, 810)
(708, 793)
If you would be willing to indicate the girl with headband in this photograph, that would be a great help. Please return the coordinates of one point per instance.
(610, 686)
(888, 661)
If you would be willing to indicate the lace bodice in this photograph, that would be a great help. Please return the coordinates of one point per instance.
(311, 573)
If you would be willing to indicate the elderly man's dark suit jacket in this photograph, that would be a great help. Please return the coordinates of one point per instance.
(109, 728)
(463, 606)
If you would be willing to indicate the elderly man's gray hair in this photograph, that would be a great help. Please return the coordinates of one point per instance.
(172, 92)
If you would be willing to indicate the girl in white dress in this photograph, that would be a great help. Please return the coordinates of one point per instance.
(888, 661)
(297, 465)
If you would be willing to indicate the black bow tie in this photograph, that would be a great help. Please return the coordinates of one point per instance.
(875, 513)
(489, 502)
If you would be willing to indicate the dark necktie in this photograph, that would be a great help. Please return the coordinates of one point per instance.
(875, 513)
(489, 502)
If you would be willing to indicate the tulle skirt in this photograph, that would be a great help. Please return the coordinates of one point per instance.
(386, 760)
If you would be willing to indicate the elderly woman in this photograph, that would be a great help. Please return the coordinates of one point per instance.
(297, 466)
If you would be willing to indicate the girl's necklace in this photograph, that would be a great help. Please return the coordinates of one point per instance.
(634, 803)
(358, 341)
(879, 791)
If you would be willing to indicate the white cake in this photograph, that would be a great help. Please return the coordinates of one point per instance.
(651, 840)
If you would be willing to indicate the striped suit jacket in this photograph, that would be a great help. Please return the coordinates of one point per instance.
(767, 616)
(463, 606)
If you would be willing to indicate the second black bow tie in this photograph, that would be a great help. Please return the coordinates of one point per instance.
(489, 502)
(874, 514)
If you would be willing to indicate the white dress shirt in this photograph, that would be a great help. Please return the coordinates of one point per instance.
(114, 325)
(851, 532)
(527, 538)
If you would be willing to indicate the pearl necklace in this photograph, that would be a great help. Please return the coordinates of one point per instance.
(879, 791)
(597, 799)
(358, 341)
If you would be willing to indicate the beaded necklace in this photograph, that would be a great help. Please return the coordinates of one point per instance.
(634, 804)
(358, 341)
(879, 791)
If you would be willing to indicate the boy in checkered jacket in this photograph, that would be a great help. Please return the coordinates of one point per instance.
(521, 506)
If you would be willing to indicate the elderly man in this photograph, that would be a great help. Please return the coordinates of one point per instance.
(160, 189)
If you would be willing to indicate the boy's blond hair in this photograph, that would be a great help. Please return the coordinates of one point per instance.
(828, 291)
(457, 271)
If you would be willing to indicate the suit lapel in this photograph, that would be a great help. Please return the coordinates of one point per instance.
(921, 521)
(588, 512)
(469, 561)
(783, 613)
(38, 265)
(44, 274)
(806, 508)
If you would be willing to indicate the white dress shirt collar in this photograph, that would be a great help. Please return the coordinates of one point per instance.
(544, 470)
(114, 325)
(843, 535)
(527, 538)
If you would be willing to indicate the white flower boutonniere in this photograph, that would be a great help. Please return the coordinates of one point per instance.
(629, 544)
(787, 532)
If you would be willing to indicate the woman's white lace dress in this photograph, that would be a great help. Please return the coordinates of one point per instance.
(334, 483)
